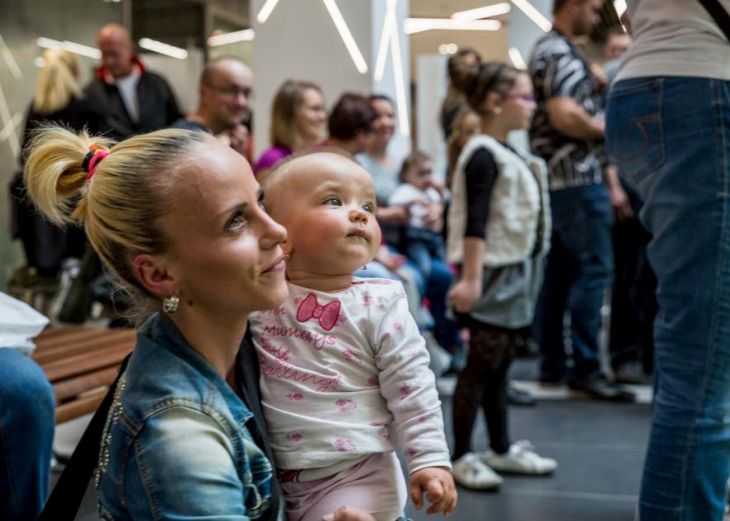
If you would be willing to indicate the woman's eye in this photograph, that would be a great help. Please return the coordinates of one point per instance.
(333, 201)
(237, 222)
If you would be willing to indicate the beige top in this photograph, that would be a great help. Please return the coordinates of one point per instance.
(675, 38)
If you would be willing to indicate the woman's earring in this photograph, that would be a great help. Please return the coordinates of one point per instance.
(287, 256)
(170, 304)
(364, 267)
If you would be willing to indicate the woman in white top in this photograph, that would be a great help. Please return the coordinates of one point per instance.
(668, 131)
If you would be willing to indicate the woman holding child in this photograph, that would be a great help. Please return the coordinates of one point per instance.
(176, 217)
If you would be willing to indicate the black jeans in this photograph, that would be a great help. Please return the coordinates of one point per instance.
(633, 296)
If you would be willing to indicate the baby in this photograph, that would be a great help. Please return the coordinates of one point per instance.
(419, 191)
(344, 371)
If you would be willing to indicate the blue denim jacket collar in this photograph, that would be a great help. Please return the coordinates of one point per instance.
(164, 333)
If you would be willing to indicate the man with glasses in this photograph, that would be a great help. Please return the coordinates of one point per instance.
(225, 92)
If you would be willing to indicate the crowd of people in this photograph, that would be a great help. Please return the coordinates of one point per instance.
(289, 305)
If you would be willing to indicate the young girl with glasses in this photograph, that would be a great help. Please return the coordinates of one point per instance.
(499, 233)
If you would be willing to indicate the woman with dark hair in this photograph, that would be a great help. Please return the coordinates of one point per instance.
(385, 170)
(350, 123)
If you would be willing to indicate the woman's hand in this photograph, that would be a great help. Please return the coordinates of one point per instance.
(439, 487)
(465, 294)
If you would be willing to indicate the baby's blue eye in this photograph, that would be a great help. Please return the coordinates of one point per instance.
(368, 207)
(333, 201)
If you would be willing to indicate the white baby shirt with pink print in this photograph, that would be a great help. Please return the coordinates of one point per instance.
(345, 375)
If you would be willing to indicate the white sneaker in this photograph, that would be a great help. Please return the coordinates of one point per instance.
(471, 472)
(520, 459)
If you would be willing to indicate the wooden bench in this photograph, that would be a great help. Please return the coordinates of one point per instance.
(81, 363)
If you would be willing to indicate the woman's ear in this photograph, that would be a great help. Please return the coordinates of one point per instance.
(154, 276)
(493, 103)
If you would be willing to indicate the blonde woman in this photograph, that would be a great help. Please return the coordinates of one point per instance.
(58, 95)
(298, 121)
(58, 99)
(175, 217)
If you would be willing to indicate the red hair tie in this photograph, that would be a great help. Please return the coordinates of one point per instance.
(92, 160)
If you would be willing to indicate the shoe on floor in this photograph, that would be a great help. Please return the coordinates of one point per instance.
(630, 373)
(519, 397)
(471, 472)
(521, 458)
(599, 387)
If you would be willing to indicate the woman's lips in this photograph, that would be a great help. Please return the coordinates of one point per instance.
(279, 265)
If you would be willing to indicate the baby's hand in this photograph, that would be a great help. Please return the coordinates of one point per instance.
(439, 487)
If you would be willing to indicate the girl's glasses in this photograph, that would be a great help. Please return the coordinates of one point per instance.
(523, 97)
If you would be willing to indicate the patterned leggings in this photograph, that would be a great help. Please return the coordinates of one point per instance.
(484, 382)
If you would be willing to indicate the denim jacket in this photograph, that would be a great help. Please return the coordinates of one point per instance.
(179, 443)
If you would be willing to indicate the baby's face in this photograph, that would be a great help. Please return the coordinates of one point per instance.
(420, 175)
(327, 204)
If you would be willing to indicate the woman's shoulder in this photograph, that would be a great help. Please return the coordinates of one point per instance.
(270, 157)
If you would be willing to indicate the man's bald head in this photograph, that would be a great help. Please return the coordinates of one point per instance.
(117, 50)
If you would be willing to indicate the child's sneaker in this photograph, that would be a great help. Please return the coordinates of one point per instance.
(471, 472)
(520, 459)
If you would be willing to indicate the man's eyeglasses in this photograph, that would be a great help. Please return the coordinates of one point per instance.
(523, 97)
(233, 92)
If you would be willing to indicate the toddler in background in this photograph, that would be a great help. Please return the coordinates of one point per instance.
(425, 199)
(344, 371)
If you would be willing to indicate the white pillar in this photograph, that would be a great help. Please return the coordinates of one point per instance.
(523, 35)
(300, 40)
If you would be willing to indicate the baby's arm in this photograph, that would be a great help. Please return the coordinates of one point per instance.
(409, 387)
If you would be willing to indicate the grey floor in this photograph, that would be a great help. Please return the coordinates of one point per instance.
(599, 448)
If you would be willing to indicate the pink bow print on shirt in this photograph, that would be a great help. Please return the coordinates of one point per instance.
(327, 315)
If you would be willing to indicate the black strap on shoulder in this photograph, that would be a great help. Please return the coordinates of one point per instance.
(721, 16)
(65, 500)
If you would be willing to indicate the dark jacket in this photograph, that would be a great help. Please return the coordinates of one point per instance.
(46, 245)
(157, 106)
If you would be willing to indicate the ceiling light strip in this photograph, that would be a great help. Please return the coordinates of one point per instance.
(10, 60)
(516, 57)
(76, 48)
(388, 27)
(13, 140)
(14, 122)
(533, 14)
(419, 25)
(163, 48)
(266, 10)
(346, 36)
(482, 12)
(246, 35)
(400, 84)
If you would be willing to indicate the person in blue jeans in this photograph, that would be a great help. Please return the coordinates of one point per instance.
(27, 419)
(668, 130)
(567, 132)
